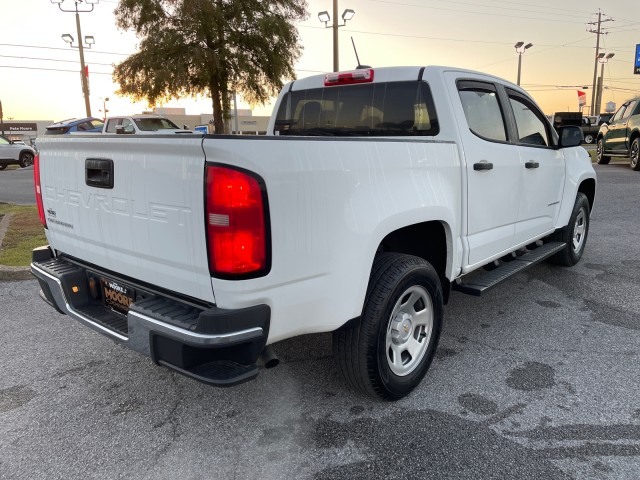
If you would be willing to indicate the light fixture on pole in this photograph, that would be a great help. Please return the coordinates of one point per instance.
(89, 40)
(104, 110)
(602, 59)
(521, 48)
(325, 18)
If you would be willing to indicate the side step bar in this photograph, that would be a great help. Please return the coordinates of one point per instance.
(482, 282)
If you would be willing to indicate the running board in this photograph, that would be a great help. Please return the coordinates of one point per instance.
(481, 282)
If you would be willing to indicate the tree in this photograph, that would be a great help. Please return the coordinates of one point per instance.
(191, 47)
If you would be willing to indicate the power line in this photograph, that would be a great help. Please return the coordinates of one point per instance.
(52, 60)
(51, 69)
(58, 48)
(474, 12)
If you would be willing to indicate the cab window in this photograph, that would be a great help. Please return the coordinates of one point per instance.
(530, 122)
(482, 110)
(373, 110)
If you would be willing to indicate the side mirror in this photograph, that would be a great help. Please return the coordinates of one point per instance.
(570, 136)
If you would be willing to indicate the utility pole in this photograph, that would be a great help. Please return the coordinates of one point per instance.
(1, 118)
(598, 32)
(83, 69)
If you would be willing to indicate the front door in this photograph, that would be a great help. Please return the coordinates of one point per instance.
(542, 168)
(492, 170)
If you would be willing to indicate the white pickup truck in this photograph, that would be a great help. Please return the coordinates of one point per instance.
(375, 193)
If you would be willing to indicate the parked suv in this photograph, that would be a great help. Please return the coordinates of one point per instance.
(14, 153)
(75, 125)
(621, 136)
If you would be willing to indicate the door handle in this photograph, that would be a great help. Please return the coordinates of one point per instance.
(531, 164)
(483, 166)
(98, 172)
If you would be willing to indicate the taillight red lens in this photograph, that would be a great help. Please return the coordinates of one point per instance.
(236, 223)
(36, 182)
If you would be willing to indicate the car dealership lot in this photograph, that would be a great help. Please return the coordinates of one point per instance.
(538, 379)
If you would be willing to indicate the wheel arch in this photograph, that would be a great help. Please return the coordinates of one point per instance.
(25, 150)
(588, 187)
(430, 240)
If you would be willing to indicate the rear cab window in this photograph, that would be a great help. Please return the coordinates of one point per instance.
(383, 109)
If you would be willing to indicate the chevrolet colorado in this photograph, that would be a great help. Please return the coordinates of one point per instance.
(375, 193)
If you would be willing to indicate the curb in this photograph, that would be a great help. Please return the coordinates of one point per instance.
(15, 273)
(11, 273)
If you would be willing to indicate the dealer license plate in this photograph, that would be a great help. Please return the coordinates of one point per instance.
(116, 296)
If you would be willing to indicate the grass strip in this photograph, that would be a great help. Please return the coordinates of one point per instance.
(24, 234)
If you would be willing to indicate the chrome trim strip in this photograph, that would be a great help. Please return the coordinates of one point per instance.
(70, 311)
(197, 338)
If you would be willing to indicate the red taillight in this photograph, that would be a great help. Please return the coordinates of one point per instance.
(348, 78)
(36, 182)
(236, 223)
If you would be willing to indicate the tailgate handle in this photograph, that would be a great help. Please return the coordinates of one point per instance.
(98, 172)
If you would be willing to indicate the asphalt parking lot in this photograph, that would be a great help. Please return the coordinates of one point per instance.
(540, 379)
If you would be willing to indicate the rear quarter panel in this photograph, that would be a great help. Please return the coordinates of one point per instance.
(331, 203)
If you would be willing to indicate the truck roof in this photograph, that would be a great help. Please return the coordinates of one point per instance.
(389, 74)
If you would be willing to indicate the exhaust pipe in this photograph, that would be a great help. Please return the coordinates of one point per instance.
(269, 358)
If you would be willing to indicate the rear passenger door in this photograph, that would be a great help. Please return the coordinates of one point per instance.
(493, 170)
(542, 167)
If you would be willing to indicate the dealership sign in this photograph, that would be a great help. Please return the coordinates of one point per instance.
(20, 127)
(636, 68)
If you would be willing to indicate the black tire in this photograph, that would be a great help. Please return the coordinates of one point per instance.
(2, 167)
(574, 234)
(399, 284)
(602, 158)
(634, 154)
(26, 159)
(588, 138)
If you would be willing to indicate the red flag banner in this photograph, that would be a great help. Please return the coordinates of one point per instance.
(582, 98)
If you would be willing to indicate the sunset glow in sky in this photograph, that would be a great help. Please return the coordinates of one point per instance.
(39, 73)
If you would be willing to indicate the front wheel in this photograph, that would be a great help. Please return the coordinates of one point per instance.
(389, 352)
(2, 167)
(26, 159)
(588, 138)
(602, 158)
(574, 235)
(634, 153)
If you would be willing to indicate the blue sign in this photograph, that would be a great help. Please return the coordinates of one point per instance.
(636, 69)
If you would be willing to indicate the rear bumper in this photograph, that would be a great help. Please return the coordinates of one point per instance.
(215, 346)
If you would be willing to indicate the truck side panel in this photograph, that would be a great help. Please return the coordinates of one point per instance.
(331, 203)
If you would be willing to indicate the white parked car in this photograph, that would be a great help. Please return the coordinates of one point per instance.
(15, 152)
(142, 125)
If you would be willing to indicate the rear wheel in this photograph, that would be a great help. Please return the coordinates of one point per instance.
(634, 153)
(26, 159)
(2, 167)
(588, 138)
(602, 158)
(574, 235)
(391, 349)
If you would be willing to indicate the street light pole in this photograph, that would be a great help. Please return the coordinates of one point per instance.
(325, 18)
(521, 48)
(83, 69)
(602, 59)
(336, 63)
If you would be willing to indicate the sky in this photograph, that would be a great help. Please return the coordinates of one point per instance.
(40, 80)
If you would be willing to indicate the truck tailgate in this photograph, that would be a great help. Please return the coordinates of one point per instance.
(149, 225)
